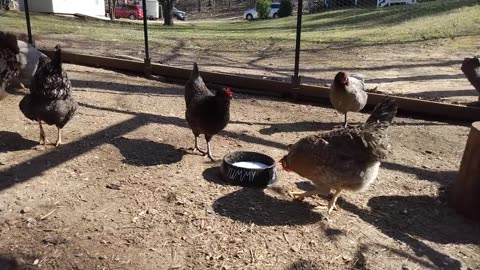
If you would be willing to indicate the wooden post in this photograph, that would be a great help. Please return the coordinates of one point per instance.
(466, 191)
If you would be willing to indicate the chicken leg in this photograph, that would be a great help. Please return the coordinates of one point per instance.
(209, 151)
(196, 146)
(345, 122)
(43, 138)
(59, 140)
(333, 201)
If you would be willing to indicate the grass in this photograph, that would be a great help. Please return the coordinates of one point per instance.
(357, 26)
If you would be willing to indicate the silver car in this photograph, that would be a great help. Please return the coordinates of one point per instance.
(252, 14)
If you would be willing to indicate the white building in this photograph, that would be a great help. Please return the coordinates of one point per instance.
(85, 7)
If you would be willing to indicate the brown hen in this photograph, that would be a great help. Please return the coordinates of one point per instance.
(343, 159)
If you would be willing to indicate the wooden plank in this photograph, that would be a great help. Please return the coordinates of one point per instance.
(466, 191)
(309, 93)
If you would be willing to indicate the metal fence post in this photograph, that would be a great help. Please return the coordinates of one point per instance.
(147, 60)
(296, 77)
(27, 17)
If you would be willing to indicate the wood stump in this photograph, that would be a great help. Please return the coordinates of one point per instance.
(466, 190)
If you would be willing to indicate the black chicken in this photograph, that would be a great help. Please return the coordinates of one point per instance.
(206, 113)
(9, 62)
(471, 69)
(50, 99)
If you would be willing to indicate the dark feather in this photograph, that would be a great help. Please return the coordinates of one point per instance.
(52, 111)
(205, 113)
(50, 99)
(9, 62)
(51, 81)
(471, 69)
(195, 86)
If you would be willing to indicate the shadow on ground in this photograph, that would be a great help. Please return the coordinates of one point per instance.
(147, 153)
(412, 219)
(254, 206)
(10, 141)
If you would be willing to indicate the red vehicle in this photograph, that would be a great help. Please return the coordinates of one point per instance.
(133, 12)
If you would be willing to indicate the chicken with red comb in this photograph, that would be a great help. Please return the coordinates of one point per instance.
(343, 159)
(347, 94)
(206, 113)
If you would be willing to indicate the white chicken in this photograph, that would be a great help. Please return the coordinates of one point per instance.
(347, 94)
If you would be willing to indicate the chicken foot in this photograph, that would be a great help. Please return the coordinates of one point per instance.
(332, 203)
(198, 148)
(209, 151)
(298, 195)
(43, 138)
(59, 140)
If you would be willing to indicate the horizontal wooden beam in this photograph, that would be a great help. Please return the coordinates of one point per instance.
(438, 110)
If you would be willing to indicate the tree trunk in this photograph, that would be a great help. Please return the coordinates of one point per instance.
(199, 5)
(167, 12)
(111, 8)
(466, 191)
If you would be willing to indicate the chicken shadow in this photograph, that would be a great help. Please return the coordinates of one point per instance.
(16, 262)
(213, 175)
(146, 153)
(10, 141)
(303, 264)
(254, 206)
(410, 218)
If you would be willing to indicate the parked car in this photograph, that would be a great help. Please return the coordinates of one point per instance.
(133, 12)
(180, 15)
(252, 14)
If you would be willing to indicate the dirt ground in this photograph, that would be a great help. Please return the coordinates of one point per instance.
(427, 70)
(124, 193)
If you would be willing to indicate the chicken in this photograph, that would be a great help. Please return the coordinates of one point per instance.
(29, 58)
(206, 113)
(50, 99)
(347, 94)
(343, 159)
(471, 69)
(9, 62)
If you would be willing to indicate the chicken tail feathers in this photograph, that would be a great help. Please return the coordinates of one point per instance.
(194, 74)
(383, 112)
(9, 41)
(56, 63)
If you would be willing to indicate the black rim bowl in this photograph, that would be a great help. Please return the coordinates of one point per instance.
(244, 177)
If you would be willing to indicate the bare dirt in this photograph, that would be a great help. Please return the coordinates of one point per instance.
(124, 193)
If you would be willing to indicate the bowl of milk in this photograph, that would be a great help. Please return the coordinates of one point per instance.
(248, 169)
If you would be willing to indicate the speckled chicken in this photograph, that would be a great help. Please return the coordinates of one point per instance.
(206, 113)
(343, 159)
(50, 99)
(9, 62)
(347, 94)
(471, 69)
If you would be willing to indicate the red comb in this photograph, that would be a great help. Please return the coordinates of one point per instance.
(285, 168)
(229, 92)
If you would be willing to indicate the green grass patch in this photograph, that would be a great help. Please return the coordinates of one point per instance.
(356, 26)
